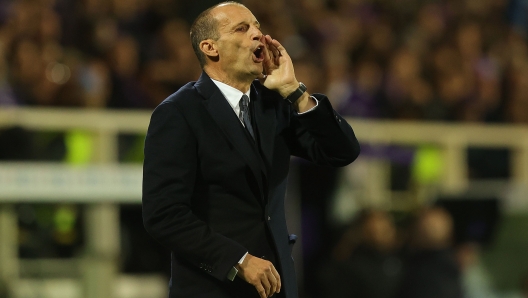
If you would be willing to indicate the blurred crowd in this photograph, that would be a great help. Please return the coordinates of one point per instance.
(408, 59)
(116, 54)
(426, 257)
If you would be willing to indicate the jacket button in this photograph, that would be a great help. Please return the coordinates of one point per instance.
(269, 217)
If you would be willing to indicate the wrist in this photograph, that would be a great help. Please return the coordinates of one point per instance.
(304, 103)
(296, 95)
(288, 89)
(237, 268)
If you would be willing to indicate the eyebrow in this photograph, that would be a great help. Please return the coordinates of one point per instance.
(256, 23)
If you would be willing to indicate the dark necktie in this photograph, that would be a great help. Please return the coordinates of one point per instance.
(244, 115)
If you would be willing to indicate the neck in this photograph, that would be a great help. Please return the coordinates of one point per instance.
(238, 83)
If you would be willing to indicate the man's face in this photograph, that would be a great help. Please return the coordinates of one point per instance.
(239, 46)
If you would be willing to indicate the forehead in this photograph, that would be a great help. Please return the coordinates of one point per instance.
(232, 14)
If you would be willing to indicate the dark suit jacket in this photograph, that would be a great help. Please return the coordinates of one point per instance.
(211, 193)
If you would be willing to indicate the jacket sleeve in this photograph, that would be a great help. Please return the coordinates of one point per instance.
(323, 136)
(169, 175)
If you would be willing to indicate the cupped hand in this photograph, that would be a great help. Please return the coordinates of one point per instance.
(278, 73)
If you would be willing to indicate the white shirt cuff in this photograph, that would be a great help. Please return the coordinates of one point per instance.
(233, 272)
(243, 258)
(316, 104)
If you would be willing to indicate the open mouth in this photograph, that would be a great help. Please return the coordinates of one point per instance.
(258, 54)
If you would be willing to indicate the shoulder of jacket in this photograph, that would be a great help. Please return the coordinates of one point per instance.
(184, 96)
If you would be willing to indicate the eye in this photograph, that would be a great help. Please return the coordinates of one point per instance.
(241, 28)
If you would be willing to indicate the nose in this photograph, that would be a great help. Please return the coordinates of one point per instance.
(257, 34)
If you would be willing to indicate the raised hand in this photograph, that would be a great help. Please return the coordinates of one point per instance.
(279, 74)
(261, 274)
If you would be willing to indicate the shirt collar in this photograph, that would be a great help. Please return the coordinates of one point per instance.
(231, 94)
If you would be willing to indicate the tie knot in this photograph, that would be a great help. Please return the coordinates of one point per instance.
(244, 103)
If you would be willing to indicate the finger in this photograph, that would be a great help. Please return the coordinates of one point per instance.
(273, 282)
(275, 50)
(277, 276)
(269, 39)
(268, 62)
(272, 49)
(261, 291)
(275, 54)
(262, 77)
(266, 284)
(267, 48)
(280, 48)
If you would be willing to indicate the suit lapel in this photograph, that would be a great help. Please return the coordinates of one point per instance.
(266, 122)
(222, 113)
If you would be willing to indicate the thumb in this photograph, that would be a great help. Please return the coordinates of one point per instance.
(262, 78)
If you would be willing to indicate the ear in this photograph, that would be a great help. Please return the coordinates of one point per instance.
(209, 48)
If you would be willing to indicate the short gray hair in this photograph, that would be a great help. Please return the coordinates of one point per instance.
(205, 26)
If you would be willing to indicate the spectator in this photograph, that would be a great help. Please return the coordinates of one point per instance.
(431, 269)
(364, 263)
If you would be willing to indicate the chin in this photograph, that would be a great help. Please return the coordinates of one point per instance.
(257, 71)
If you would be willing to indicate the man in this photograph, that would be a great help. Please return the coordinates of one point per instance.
(431, 269)
(364, 262)
(217, 154)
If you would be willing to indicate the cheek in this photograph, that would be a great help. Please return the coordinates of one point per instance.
(230, 54)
